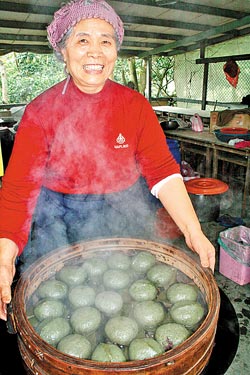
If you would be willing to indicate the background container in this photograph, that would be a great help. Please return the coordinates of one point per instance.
(189, 358)
(205, 194)
(174, 149)
(224, 137)
(235, 254)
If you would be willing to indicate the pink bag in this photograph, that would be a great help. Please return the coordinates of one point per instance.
(197, 124)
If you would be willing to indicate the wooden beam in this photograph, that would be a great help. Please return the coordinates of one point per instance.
(151, 35)
(209, 42)
(222, 59)
(27, 8)
(192, 8)
(127, 19)
(7, 48)
(199, 37)
(180, 5)
(23, 38)
(10, 24)
(165, 23)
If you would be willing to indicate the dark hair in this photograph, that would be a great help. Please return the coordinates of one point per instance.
(131, 85)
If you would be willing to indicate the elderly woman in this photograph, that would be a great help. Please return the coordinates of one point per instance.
(83, 150)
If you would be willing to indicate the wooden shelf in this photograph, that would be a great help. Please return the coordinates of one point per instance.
(206, 144)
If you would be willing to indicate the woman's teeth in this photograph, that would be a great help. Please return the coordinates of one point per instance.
(93, 67)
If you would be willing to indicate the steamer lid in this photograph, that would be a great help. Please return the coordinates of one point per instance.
(206, 186)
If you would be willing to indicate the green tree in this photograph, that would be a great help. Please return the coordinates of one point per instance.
(162, 76)
(131, 69)
(29, 74)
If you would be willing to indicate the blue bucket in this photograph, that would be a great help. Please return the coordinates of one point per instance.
(174, 149)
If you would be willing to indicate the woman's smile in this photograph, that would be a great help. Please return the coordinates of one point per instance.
(93, 68)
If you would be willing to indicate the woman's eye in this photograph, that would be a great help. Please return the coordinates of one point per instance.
(106, 42)
(83, 41)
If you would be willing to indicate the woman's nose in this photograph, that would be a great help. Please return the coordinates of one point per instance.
(94, 50)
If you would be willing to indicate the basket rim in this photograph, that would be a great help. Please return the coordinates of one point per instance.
(48, 351)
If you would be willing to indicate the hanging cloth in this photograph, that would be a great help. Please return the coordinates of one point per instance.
(232, 71)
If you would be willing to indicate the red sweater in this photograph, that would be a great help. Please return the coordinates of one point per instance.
(80, 143)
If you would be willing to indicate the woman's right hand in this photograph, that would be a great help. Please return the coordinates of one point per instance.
(8, 254)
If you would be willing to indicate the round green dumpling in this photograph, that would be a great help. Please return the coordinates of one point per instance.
(72, 275)
(33, 321)
(109, 302)
(170, 335)
(144, 348)
(149, 314)
(121, 330)
(95, 267)
(142, 262)
(85, 319)
(55, 289)
(119, 261)
(108, 353)
(75, 345)
(116, 279)
(187, 313)
(143, 290)
(49, 308)
(182, 292)
(55, 330)
(162, 275)
(39, 326)
(82, 295)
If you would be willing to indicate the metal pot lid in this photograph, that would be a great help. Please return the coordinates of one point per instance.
(206, 186)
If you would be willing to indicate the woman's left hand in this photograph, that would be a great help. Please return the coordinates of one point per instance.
(175, 199)
(200, 244)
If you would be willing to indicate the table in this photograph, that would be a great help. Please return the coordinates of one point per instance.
(181, 111)
(205, 143)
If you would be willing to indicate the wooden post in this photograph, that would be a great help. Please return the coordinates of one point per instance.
(205, 80)
(4, 83)
(149, 75)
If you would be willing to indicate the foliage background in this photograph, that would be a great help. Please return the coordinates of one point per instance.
(29, 74)
(180, 76)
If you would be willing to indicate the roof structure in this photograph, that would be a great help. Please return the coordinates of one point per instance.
(152, 27)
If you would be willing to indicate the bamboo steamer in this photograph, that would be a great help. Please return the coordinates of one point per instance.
(189, 358)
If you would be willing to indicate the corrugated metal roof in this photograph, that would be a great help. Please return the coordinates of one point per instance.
(151, 26)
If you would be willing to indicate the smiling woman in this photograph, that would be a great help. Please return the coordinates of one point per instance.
(90, 54)
(90, 158)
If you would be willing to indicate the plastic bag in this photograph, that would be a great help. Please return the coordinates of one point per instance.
(187, 171)
(236, 242)
(196, 122)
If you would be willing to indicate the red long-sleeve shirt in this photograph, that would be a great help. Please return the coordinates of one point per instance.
(80, 143)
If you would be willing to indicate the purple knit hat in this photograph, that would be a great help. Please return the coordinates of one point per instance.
(76, 10)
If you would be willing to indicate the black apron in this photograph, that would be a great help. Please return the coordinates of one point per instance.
(63, 219)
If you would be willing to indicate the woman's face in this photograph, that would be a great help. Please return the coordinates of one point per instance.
(90, 54)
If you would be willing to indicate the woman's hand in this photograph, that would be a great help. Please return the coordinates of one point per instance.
(8, 254)
(199, 243)
(174, 197)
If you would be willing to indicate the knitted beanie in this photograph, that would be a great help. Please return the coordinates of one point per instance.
(76, 10)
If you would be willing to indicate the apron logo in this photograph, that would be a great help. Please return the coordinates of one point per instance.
(121, 140)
